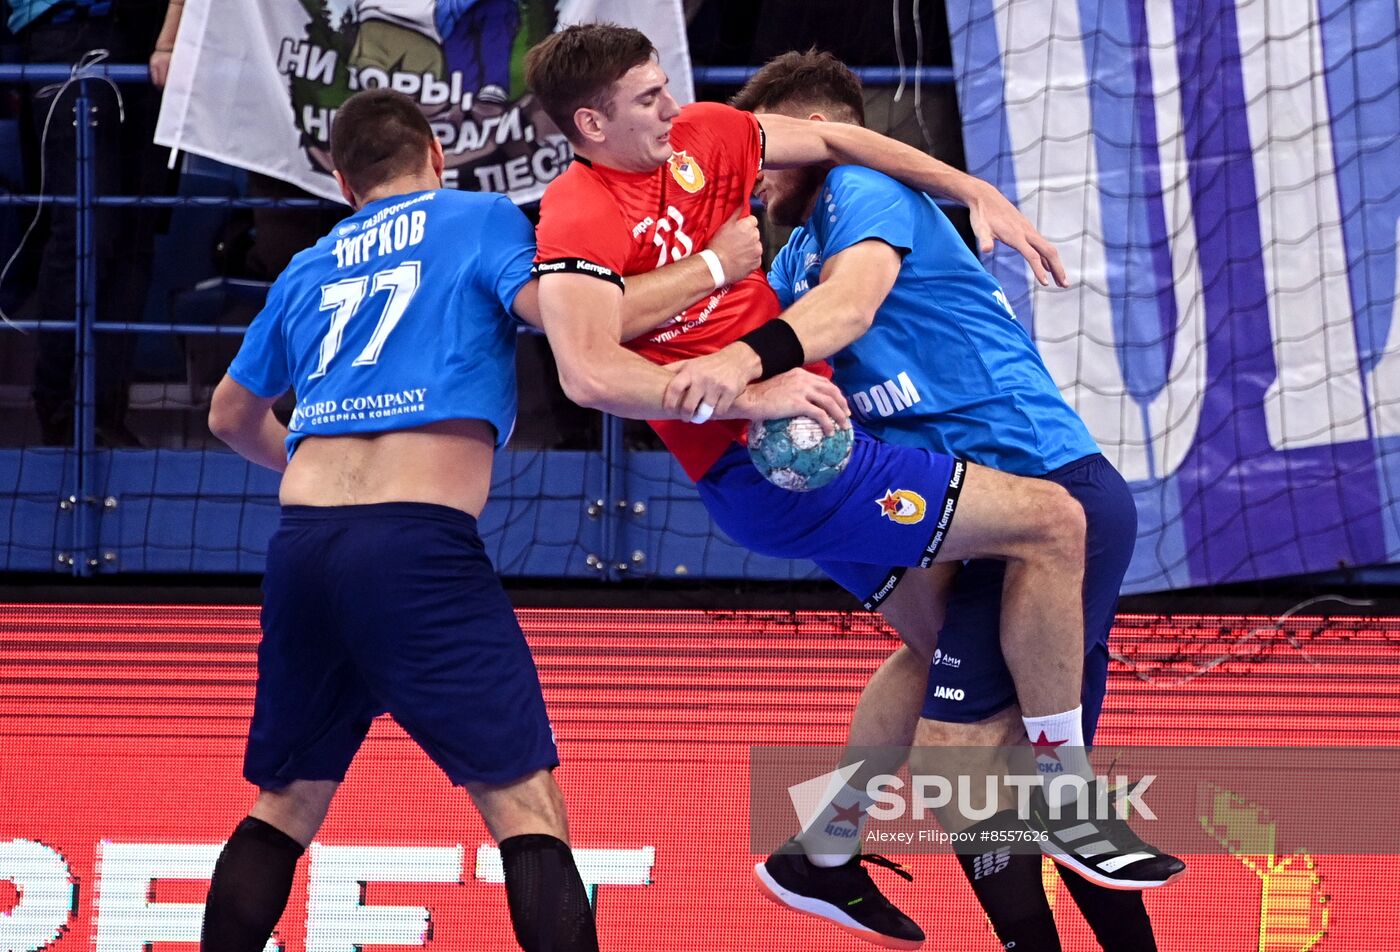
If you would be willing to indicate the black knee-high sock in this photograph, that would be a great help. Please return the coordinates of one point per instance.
(549, 906)
(1118, 917)
(249, 890)
(1010, 890)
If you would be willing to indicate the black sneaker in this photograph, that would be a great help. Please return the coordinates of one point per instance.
(844, 895)
(1106, 852)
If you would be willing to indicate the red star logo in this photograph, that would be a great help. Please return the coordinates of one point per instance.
(850, 814)
(890, 504)
(1044, 746)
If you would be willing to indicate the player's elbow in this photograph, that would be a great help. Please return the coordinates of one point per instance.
(582, 384)
(843, 310)
(232, 411)
(229, 426)
(850, 319)
(858, 318)
(223, 421)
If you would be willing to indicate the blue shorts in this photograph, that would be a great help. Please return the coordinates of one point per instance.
(395, 608)
(968, 680)
(888, 510)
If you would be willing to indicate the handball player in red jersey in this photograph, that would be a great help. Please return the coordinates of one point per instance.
(651, 185)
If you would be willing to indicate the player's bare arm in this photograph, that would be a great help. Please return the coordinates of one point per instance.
(836, 312)
(655, 297)
(245, 422)
(794, 142)
(526, 305)
(582, 321)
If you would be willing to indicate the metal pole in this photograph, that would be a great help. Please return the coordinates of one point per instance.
(868, 75)
(614, 485)
(85, 283)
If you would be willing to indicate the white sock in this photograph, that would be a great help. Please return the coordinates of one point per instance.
(1058, 740)
(834, 836)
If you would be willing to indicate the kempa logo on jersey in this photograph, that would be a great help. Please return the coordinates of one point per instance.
(949, 505)
(903, 506)
(572, 266)
(582, 264)
(883, 592)
(686, 171)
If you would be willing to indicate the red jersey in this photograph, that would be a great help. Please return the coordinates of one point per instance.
(608, 223)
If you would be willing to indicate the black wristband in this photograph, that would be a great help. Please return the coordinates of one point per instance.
(777, 347)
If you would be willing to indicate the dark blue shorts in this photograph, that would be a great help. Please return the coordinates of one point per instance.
(391, 608)
(888, 510)
(968, 680)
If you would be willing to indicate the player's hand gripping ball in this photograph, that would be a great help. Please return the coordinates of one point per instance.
(794, 454)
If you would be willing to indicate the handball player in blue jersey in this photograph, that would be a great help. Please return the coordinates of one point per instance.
(925, 346)
(395, 331)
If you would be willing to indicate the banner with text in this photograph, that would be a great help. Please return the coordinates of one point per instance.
(256, 84)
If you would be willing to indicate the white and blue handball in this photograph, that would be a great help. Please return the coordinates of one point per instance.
(793, 453)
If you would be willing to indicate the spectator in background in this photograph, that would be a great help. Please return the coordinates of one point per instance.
(277, 233)
(62, 31)
(165, 43)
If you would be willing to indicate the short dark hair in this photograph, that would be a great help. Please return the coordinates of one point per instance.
(578, 66)
(814, 79)
(378, 134)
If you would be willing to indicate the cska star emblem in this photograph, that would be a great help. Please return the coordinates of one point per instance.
(903, 506)
(686, 171)
(1045, 747)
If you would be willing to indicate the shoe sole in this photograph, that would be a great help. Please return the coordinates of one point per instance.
(1069, 861)
(826, 912)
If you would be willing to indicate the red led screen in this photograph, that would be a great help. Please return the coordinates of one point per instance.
(123, 729)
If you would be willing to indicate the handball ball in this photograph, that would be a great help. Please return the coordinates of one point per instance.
(794, 454)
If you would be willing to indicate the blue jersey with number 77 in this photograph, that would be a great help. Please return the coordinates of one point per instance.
(397, 318)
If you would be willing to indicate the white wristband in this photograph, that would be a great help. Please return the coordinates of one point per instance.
(716, 269)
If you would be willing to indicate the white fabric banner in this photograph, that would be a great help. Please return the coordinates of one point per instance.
(663, 21)
(256, 83)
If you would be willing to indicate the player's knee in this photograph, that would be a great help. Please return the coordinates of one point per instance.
(1059, 522)
(551, 807)
(296, 809)
(533, 804)
(922, 640)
